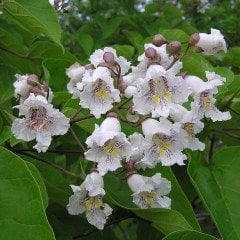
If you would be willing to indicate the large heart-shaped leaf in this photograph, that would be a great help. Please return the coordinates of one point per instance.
(218, 184)
(21, 202)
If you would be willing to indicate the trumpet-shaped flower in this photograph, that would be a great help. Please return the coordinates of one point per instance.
(190, 126)
(75, 73)
(41, 121)
(163, 143)
(88, 198)
(97, 91)
(204, 102)
(212, 43)
(149, 192)
(159, 92)
(98, 57)
(108, 146)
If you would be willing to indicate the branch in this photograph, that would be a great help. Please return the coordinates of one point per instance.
(77, 140)
(54, 165)
(72, 121)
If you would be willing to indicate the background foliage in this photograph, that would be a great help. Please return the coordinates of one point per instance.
(34, 188)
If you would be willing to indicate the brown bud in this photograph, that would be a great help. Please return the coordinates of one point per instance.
(158, 40)
(112, 114)
(45, 86)
(193, 40)
(198, 49)
(174, 47)
(89, 67)
(128, 174)
(183, 74)
(108, 57)
(32, 80)
(151, 53)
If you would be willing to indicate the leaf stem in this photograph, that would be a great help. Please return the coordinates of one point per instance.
(72, 121)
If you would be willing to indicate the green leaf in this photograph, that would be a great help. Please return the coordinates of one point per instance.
(126, 51)
(188, 235)
(40, 182)
(86, 42)
(175, 34)
(5, 134)
(22, 209)
(37, 16)
(218, 184)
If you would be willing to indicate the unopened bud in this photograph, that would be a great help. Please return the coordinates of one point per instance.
(129, 174)
(45, 86)
(32, 80)
(112, 114)
(158, 40)
(174, 47)
(89, 67)
(193, 40)
(151, 53)
(183, 74)
(198, 49)
(108, 57)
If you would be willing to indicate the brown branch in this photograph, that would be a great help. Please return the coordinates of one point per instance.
(72, 121)
(54, 165)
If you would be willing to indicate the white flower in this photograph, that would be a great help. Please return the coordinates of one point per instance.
(97, 91)
(88, 198)
(204, 103)
(149, 192)
(108, 146)
(51, 2)
(212, 43)
(97, 57)
(41, 121)
(75, 73)
(159, 92)
(163, 143)
(22, 88)
(164, 60)
(191, 125)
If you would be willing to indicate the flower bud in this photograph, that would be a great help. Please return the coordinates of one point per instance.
(151, 53)
(198, 49)
(193, 40)
(45, 86)
(32, 80)
(174, 47)
(89, 67)
(158, 40)
(108, 57)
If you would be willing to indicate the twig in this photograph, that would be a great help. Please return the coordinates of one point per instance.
(76, 113)
(77, 140)
(49, 150)
(72, 121)
(54, 165)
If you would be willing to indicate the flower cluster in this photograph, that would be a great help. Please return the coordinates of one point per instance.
(152, 95)
(156, 92)
(40, 120)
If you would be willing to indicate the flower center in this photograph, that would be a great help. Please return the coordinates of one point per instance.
(101, 90)
(111, 147)
(158, 90)
(188, 127)
(38, 118)
(163, 143)
(93, 203)
(150, 197)
(206, 100)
